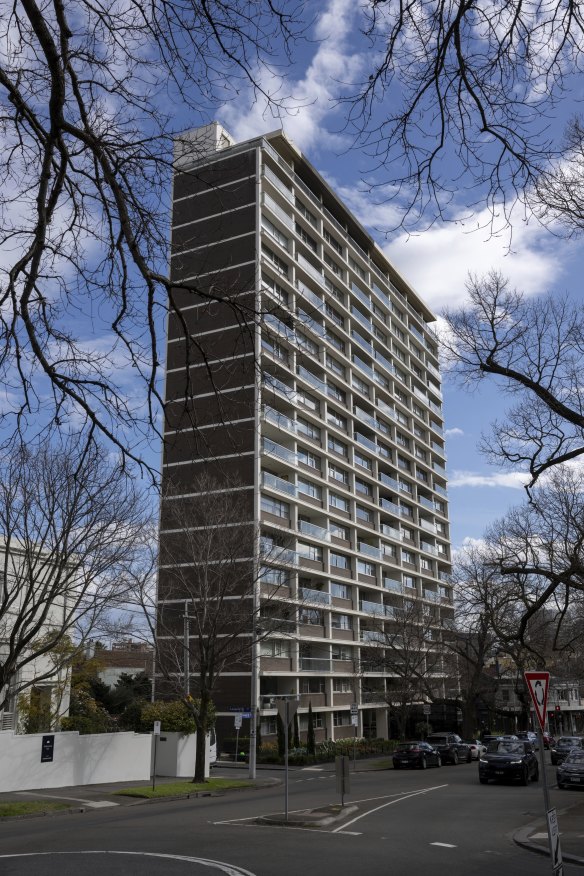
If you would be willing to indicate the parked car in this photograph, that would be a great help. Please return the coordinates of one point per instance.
(476, 746)
(564, 746)
(415, 754)
(571, 771)
(506, 760)
(451, 747)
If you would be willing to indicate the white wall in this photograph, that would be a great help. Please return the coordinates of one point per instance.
(77, 760)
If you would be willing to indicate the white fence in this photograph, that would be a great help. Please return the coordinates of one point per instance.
(77, 760)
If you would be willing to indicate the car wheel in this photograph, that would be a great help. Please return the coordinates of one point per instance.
(396, 766)
(469, 757)
(424, 764)
(561, 786)
(525, 776)
(455, 757)
(535, 776)
(482, 780)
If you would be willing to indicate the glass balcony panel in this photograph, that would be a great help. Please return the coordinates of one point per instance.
(275, 483)
(317, 597)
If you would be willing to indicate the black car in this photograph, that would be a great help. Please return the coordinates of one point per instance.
(451, 747)
(571, 771)
(415, 754)
(563, 747)
(507, 761)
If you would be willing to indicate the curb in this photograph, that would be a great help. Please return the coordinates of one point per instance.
(299, 820)
(521, 838)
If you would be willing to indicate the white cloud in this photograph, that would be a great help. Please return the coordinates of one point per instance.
(331, 64)
(514, 479)
(455, 432)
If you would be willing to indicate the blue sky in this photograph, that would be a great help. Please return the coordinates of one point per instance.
(436, 262)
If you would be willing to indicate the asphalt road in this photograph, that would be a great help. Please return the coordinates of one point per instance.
(439, 821)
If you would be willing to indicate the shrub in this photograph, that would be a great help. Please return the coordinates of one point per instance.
(174, 717)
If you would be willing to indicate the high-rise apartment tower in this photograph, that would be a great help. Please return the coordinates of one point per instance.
(326, 413)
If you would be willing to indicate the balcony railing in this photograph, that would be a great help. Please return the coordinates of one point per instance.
(282, 215)
(372, 636)
(315, 664)
(311, 378)
(317, 597)
(376, 608)
(390, 531)
(274, 553)
(393, 584)
(270, 447)
(314, 530)
(369, 550)
(275, 483)
(277, 183)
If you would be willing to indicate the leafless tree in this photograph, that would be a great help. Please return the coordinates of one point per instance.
(407, 648)
(536, 349)
(68, 519)
(464, 98)
(90, 98)
(208, 575)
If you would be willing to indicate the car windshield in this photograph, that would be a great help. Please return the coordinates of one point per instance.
(569, 742)
(506, 748)
(437, 740)
(575, 757)
(407, 746)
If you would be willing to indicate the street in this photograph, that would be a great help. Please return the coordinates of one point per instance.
(438, 821)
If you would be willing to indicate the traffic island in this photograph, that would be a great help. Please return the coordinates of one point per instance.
(315, 818)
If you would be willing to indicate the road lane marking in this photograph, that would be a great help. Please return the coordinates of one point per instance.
(444, 845)
(93, 804)
(228, 869)
(391, 803)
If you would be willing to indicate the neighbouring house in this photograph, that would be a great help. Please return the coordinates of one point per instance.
(125, 657)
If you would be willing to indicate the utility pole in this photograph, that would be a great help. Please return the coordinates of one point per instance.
(186, 651)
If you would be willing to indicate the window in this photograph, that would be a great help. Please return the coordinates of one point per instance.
(339, 531)
(335, 366)
(336, 501)
(366, 568)
(339, 474)
(307, 429)
(334, 315)
(336, 420)
(407, 533)
(337, 446)
(334, 290)
(381, 336)
(343, 685)
(363, 461)
(335, 341)
(332, 241)
(341, 591)
(277, 291)
(307, 457)
(421, 454)
(279, 577)
(336, 392)
(403, 463)
(309, 489)
(276, 349)
(418, 411)
(421, 475)
(362, 487)
(308, 400)
(401, 375)
(274, 648)
(306, 344)
(402, 440)
(305, 237)
(312, 616)
(269, 726)
(279, 264)
(341, 719)
(341, 622)
(275, 232)
(408, 557)
(339, 652)
(364, 514)
(390, 550)
(312, 685)
(336, 269)
(310, 551)
(425, 564)
(409, 581)
(340, 561)
(360, 385)
(305, 212)
(275, 507)
(406, 510)
(317, 721)
(406, 487)
(401, 418)
(357, 268)
(378, 311)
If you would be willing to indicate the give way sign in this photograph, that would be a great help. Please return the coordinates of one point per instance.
(538, 684)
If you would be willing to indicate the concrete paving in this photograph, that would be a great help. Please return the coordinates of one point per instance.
(571, 823)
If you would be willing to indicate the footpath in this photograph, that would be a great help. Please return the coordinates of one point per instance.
(571, 822)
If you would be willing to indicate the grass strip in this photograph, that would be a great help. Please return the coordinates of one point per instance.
(174, 789)
(29, 807)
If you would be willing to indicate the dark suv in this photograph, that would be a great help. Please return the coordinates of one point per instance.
(451, 747)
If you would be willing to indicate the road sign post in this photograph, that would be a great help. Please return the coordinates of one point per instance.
(355, 723)
(286, 710)
(426, 710)
(343, 778)
(238, 720)
(155, 737)
(538, 686)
